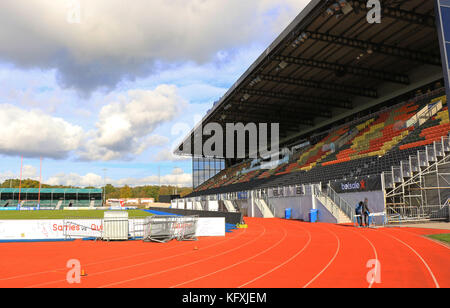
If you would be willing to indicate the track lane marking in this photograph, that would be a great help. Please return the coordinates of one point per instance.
(376, 256)
(282, 264)
(233, 265)
(419, 256)
(329, 263)
(184, 265)
(138, 264)
(103, 261)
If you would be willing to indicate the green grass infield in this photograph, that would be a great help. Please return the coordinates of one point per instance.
(445, 238)
(61, 214)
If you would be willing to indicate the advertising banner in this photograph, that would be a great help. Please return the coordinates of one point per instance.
(45, 229)
(58, 229)
(360, 184)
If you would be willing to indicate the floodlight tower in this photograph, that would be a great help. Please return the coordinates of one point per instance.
(104, 186)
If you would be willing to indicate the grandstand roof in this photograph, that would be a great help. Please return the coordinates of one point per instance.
(324, 68)
(51, 191)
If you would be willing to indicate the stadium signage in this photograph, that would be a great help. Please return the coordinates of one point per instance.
(353, 186)
(361, 184)
(58, 229)
(74, 227)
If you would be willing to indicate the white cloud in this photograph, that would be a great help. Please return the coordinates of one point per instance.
(29, 172)
(32, 133)
(6, 175)
(119, 39)
(177, 177)
(126, 126)
(177, 171)
(168, 156)
(74, 179)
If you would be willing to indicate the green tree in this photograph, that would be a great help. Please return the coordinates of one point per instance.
(126, 192)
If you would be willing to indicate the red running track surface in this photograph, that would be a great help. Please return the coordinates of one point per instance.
(271, 253)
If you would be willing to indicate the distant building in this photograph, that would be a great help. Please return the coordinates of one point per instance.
(130, 202)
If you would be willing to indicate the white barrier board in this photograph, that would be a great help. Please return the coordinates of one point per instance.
(214, 226)
(43, 229)
(55, 229)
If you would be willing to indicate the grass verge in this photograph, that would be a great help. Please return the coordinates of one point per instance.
(445, 238)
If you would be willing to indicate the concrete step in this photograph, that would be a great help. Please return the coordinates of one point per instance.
(340, 216)
(263, 208)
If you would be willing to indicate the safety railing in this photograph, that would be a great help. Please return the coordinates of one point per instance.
(399, 214)
(269, 205)
(339, 201)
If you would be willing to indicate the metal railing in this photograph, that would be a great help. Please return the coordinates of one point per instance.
(424, 213)
(340, 202)
(163, 229)
(269, 205)
(447, 203)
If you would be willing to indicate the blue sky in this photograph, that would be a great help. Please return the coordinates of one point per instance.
(116, 90)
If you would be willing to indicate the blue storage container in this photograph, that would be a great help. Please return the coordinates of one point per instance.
(313, 215)
(288, 213)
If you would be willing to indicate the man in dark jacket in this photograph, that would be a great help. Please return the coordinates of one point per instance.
(358, 212)
(365, 212)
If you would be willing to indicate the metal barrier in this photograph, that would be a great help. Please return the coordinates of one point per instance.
(373, 222)
(78, 228)
(340, 202)
(399, 214)
(163, 229)
(91, 228)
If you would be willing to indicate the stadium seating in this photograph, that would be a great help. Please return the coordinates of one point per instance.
(379, 141)
(53, 203)
(431, 131)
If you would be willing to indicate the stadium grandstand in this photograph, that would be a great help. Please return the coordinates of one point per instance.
(52, 198)
(362, 112)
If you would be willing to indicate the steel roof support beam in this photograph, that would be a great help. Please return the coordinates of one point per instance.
(344, 104)
(396, 13)
(417, 56)
(291, 110)
(272, 115)
(358, 91)
(287, 112)
(347, 69)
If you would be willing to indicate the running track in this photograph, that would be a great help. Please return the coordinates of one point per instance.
(271, 253)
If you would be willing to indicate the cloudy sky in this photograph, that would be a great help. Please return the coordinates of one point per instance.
(109, 87)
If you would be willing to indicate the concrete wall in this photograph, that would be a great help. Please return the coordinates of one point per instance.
(376, 199)
(324, 215)
(300, 206)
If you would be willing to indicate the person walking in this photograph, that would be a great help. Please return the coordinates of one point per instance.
(365, 212)
(358, 211)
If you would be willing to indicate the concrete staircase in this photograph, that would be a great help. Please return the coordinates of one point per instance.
(333, 208)
(229, 206)
(198, 206)
(264, 208)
